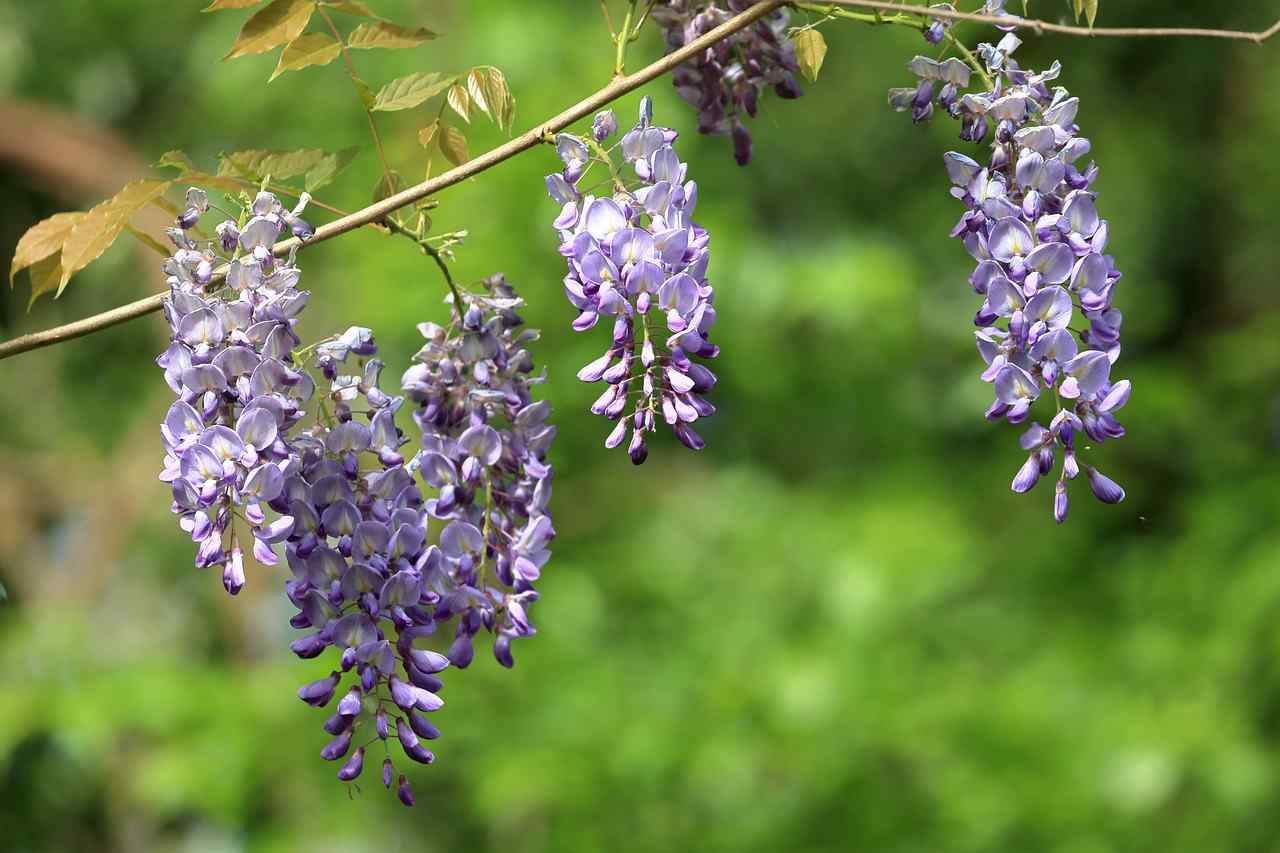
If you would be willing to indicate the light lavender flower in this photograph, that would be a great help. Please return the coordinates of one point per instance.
(484, 449)
(1033, 227)
(637, 258)
(239, 392)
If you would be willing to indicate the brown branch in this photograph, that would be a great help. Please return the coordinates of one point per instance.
(380, 210)
(1042, 27)
(617, 88)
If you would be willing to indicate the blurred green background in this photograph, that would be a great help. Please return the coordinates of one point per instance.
(835, 629)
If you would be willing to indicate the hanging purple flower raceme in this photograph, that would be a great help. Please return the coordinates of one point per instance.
(484, 447)
(231, 364)
(724, 82)
(637, 257)
(1033, 227)
(362, 567)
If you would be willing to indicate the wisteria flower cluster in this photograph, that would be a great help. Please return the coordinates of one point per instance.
(1033, 227)
(231, 364)
(724, 83)
(484, 448)
(637, 256)
(353, 521)
(362, 567)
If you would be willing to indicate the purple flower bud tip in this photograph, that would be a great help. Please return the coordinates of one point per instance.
(337, 747)
(1060, 502)
(354, 765)
(404, 792)
(1104, 488)
(387, 771)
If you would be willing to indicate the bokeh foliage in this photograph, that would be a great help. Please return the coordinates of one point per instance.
(835, 629)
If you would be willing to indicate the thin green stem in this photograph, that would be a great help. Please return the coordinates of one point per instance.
(915, 22)
(970, 60)
(603, 155)
(368, 113)
(622, 37)
(432, 252)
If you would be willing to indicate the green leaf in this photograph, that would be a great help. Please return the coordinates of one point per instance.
(351, 7)
(453, 145)
(219, 5)
(460, 101)
(811, 49)
(323, 173)
(94, 233)
(305, 51)
(279, 165)
(428, 134)
(4, 593)
(388, 36)
(1090, 11)
(42, 240)
(405, 93)
(277, 23)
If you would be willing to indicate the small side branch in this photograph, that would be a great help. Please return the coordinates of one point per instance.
(1041, 27)
(379, 211)
(622, 85)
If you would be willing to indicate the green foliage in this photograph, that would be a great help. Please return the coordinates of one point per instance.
(810, 637)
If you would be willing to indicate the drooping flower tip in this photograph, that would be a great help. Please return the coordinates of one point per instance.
(1104, 488)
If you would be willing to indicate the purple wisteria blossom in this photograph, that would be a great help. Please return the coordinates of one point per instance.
(637, 258)
(239, 391)
(724, 82)
(1033, 227)
(484, 447)
(363, 571)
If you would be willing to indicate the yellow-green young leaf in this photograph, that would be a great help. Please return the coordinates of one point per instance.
(225, 183)
(811, 49)
(453, 145)
(460, 101)
(43, 239)
(279, 165)
(1077, 6)
(366, 94)
(380, 189)
(477, 82)
(94, 233)
(219, 5)
(428, 134)
(323, 173)
(351, 7)
(150, 242)
(406, 93)
(45, 275)
(277, 23)
(503, 104)
(1090, 11)
(388, 36)
(175, 160)
(305, 51)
